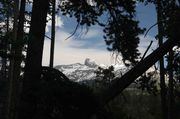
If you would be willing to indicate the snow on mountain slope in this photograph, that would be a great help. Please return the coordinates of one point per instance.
(84, 72)
(79, 72)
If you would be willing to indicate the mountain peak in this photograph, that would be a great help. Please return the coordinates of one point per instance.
(90, 63)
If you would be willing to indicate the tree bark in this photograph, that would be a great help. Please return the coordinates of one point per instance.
(34, 59)
(171, 86)
(175, 32)
(119, 84)
(14, 89)
(161, 61)
(11, 92)
(53, 27)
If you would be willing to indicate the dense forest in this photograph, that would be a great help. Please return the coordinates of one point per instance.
(29, 90)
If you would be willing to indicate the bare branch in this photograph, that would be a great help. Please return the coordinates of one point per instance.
(73, 31)
(152, 27)
(149, 29)
(47, 37)
(146, 51)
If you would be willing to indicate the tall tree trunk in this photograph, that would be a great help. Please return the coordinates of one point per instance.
(34, 59)
(161, 61)
(174, 25)
(53, 27)
(11, 103)
(119, 84)
(16, 66)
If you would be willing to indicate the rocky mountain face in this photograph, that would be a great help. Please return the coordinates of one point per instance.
(83, 72)
(86, 74)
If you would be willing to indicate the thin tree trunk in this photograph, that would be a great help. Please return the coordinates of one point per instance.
(53, 27)
(34, 59)
(161, 61)
(174, 25)
(171, 86)
(119, 84)
(5, 45)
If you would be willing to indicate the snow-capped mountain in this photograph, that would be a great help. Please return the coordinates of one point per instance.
(80, 72)
(85, 72)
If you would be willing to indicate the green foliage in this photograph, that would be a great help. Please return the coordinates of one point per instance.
(170, 17)
(123, 38)
(171, 12)
(84, 12)
(147, 83)
(135, 104)
(104, 76)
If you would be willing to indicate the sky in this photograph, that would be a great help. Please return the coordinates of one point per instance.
(89, 43)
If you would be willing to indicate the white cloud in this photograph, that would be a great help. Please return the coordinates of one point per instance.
(67, 55)
(73, 50)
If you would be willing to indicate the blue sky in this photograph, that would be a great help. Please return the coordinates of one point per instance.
(91, 44)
